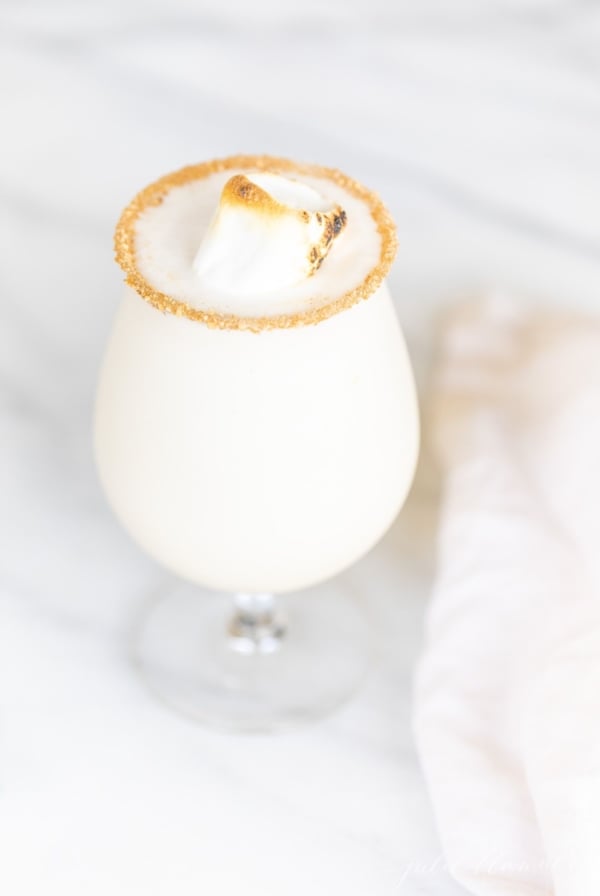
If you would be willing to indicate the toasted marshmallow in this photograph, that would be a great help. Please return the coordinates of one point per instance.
(268, 232)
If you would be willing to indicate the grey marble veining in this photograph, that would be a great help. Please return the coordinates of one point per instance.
(480, 126)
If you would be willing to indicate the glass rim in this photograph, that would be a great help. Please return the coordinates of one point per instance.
(153, 195)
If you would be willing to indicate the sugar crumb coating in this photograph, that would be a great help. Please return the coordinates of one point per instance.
(241, 189)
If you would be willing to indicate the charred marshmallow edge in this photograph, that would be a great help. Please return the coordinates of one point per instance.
(268, 232)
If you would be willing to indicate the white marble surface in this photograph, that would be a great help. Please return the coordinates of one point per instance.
(480, 125)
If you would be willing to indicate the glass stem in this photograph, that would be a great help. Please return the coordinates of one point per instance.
(256, 625)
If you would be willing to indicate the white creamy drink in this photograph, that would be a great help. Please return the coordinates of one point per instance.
(256, 429)
(256, 420)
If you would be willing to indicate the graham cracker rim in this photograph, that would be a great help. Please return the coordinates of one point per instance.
(154, 194)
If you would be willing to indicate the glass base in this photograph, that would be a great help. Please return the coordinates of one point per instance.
(256, 665)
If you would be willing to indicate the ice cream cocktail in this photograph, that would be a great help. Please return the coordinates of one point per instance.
(256, 428)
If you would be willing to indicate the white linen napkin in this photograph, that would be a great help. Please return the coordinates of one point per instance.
(507, 707)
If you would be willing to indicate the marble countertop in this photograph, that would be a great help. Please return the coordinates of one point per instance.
(480, 125)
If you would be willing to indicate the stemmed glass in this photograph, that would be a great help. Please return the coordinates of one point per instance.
(260, 461)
